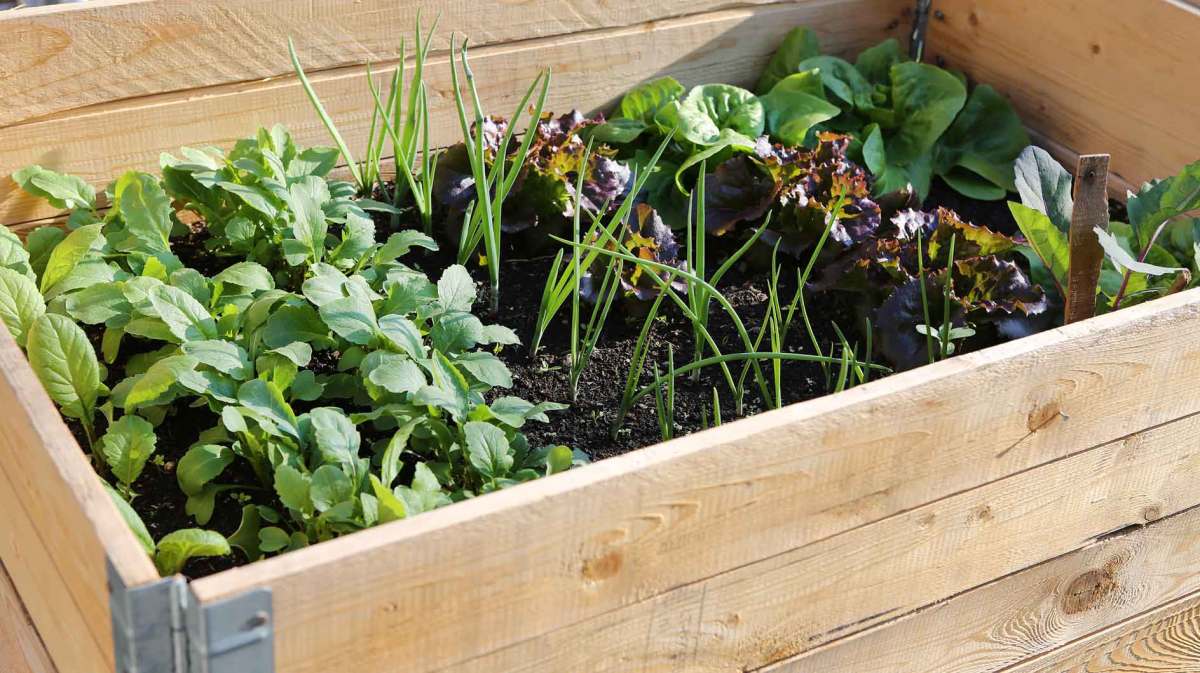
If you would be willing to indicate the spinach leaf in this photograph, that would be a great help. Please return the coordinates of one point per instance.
(63, 359)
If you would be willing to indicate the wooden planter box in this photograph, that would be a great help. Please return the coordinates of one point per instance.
(1030, 507)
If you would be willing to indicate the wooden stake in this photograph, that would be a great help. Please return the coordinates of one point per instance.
(1091, 211)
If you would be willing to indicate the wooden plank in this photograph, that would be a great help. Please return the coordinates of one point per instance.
(1086, 255)
(1163, 639)
(74, 56)
(21, 648)
(591, 70)
(760, 613)
(59, 524)
(1101, 76)
(1105, 608)
(630, 528)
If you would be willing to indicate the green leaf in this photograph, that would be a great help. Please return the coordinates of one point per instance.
(201, 505)
(1046, 239)
(559, 459)
(974, 186)
(456, 290)
(40, 243)
(402, 334)
(246, 536)
(708, 110)
(100, 304)
(352, 318)
(200, 465)
(336, 437)
(126, 447)
(310, 227)
(266, 400)
(62, 357)
(390, 464)
(213, 384)
(69, 252)
(293, 486)
(487, 447)
(290, 323)
(792, 108)
(641, 103)
(798, 45)
(514, 411)
(151, 387)
(132, 520)
(456, 331)
(449, 389)
(20, 303)
(391, 508)
(273, 539)
(1165, 200)
(146, 209)
(330, 487)
(500, 335)
(247, 275)
(486, 368)
(13, 254)
(875, 63)
(185, 317)
(925, 101)
(399, 243)
(619, 131)
(64, 192)
(842, 79)
(394, 373)
(985, 139)
(224, 356)
(426, 493)
(1122, 259)
(1045, 186)
(179, 547)
(297, 352)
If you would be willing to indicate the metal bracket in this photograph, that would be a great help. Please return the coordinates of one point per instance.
(162, 628)
(916, 45)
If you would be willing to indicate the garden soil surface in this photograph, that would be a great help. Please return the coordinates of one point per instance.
(588, 423)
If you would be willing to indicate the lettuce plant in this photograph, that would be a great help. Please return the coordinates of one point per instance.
(1154, 254)
(353, 388)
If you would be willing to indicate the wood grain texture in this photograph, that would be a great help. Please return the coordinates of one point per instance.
(628, 529)
(1066, 609)
(58, 524)
(1163, 640)
(591, 71)
(760, 613)
(1096, 76)
(1086, 255)
(21, 648)
(99, 52)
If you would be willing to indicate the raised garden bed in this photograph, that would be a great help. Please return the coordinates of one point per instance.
(1024, 507)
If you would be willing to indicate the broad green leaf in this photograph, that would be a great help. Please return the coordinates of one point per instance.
(246, 536)
(391, 508)
(514, 411)
(187, 318)
(255, 197)
(200, 465)
(426, 493)
(925, 101)
(792, 108)
(394, 373)
(1122, 259)
(448, 389)
(69, 252)
(985, 139)
(455, 289)
(336, 437)
(842, 79)
(1046, 239)
(1160, 201)
(126, 447)
(306, 388)
(310, 226)
(201, 505)
(224, 356)
(972, 185)
(708, 110)
(135, 523)
(329, 284)
(330, 487)
(875, 152)
(64, 192)
(146, 209)
(100, 304)
(618, 131)
(488, 449)
(177, 548)
(293, 486)
(875, 63)
(500, 335)
(1045, 186)
(291, 323)
(90, 271)
(399, 243)
(297, 352)
(390, 464)
(559, 459)
(642, 103)
(402, 334)
(63, 359)
(798, 45)
(156, 383)
(456, 331)
(272, 539)
(20, 303)
(352, 318)
(248, 275)
(40, 243)
(485, 367)
(266, 400)
(13, 254)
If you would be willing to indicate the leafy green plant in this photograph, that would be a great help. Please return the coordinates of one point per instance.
(1152, 255)
(355, 390)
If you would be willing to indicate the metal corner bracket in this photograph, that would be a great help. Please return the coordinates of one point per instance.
(162, 628)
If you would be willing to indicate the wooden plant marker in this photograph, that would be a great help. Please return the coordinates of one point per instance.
(1091, 211)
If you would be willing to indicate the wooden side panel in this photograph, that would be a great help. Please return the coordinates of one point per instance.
(58, 524)
(1092, 76)
(590, 70)
(1127, 603)
(69, 57)
(628, 529)
(21, 648)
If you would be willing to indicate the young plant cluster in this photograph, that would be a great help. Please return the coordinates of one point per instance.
(327, 382)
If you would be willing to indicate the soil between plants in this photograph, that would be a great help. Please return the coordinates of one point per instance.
(587, 424)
